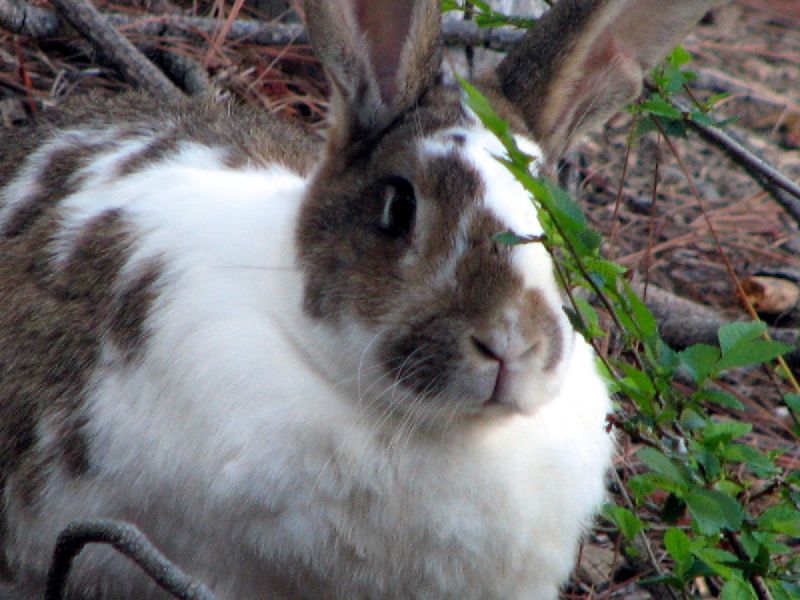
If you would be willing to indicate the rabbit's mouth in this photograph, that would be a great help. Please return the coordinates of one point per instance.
(437, 371)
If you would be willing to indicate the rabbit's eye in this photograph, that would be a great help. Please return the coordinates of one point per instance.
(399, 207)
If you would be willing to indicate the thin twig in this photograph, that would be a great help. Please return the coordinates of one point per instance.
(18, 17)
(761, 589)
(740, 293)
(115, 47)
(780, 187)
(131, 542)
(643, 539)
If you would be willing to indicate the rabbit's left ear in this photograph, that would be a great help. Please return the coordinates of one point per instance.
(586, 58)
(380, 56)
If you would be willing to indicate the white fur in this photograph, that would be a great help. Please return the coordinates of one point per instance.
(236, 445)
(511, 204)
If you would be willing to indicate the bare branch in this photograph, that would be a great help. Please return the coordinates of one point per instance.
(131, 542)
(20, 17)
(115, 47)
(780, 187)
(42, 23)
(683, 322)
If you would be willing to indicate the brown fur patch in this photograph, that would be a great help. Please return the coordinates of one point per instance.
(541, 323)
(351, 266)
(128, 314)
(56, 180)
(453, 187)
(51, 331)
(153, 152)
(425, 349)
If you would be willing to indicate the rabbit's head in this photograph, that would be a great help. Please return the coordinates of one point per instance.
(424, 310)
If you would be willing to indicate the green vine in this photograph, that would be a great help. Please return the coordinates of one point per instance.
(699, 475)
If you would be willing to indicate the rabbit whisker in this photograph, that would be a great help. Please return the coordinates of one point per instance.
(359, 371)
(258, 268)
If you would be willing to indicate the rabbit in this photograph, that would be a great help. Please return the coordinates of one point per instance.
(304, 367)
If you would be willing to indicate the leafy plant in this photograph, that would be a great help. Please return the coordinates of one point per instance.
(724, 509)
(484, 15)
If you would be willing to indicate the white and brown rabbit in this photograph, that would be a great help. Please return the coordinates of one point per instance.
(306, 370)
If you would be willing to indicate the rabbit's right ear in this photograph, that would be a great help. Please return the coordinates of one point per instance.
(380, 56)
(586, 58)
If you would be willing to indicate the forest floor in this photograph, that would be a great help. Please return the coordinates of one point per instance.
(750, 48)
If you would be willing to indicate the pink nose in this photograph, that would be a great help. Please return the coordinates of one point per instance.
(503, 348)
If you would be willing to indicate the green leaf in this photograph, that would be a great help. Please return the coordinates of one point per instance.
(589, 318)
(679, 57)
(518, 161)
(640, 379)
(626, 521)
(793, 402)
(781, 519)
(643, 485)
(565, 209)
(716, 98)
(718, 397)
(643, 127)
(667, 357)
(714, 511)
(761, 466)
(732, 334)
(692, 420)
(512, 239)
(729, 487)
(738, 589)
(724, 432)
(754, 352)
(590, 240)
(642, 315)
(784, 590)
(672, 127)
(481, 107)
(658, 105)
(699, 360)
(664, 466)
(706, 459)
(698, 116)
(718, 560)
(679, 547)
(604, 271)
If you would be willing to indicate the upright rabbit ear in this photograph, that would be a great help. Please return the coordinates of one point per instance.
(380, 56)
(586, 58)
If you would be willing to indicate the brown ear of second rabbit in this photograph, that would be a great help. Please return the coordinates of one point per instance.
(308, 370)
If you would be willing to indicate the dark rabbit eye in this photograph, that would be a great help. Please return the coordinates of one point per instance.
(399, 207)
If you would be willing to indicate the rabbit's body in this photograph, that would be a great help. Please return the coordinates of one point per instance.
(305, 369)
(206, 403)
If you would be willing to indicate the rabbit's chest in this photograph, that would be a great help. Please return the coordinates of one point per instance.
(454, 525)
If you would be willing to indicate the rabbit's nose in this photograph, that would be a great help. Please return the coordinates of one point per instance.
(504, 346)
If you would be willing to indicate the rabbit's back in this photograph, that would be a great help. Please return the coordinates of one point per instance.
(99, 222)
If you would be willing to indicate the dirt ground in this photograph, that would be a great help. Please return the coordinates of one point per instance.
(750, 48)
